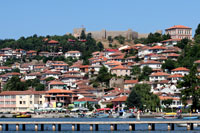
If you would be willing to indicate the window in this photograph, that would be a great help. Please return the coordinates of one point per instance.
(13, 102)
(40, 102)
(7, 97)
(20, 102)
(1, 97)
(30, 102)
(1, 102)
(30, 96)
(13, 97)
(24, 102)
(7, 102)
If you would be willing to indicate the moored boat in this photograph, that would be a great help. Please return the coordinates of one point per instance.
(191, 118)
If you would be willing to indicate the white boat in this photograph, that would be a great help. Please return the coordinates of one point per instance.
(185, 125)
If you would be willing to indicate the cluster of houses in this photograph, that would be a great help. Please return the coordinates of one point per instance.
(71, 84)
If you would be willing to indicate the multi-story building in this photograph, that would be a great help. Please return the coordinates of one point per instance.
(179, 32)
(21, 101)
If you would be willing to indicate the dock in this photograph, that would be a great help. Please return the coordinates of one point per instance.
(94, 125)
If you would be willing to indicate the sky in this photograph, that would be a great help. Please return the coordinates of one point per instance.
(58, 17)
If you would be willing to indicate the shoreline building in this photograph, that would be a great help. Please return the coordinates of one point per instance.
(179, 32)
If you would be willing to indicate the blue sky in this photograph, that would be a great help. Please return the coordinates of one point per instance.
(57, 17)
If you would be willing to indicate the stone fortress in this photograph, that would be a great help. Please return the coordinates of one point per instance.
(103, 34)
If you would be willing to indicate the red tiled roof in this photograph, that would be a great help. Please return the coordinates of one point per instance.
(178, 27)
(59, 91)
(56, 82)
(5, 67)
(159, 74)
(131, 81)
(151, 62)
(171, 40)
(166, 97)
(52, 41)
(175, 76)
(111, 50)
(86, 99)
(197, 61)
(70, 52)
(157, 47)
(180, 69)
(28, 92)
(120, 99)
(120, 67)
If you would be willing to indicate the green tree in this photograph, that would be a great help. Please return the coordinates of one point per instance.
(197, 39)
(110, 39)
(141, 98)
(191, 90)
(83, 36)
(120, 39)
(169, 64)
(100, 46)
(146, 71)
(14, 84)
(104, 76)
(197, 31)
(183, 43)
(136, 71)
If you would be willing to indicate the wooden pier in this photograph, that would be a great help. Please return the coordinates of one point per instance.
(94, 125)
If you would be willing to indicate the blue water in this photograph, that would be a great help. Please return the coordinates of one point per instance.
(102, 128)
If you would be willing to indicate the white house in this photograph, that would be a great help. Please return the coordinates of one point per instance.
(158, 76)
(180, 70)
(73, 54)
(152, 64)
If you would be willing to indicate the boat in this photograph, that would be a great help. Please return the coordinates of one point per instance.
(191, 118)
(171, 115)
(23, 116)
(185, 125)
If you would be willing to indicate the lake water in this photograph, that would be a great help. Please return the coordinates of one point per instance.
(102, 128)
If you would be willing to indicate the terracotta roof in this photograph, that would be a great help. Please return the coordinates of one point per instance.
(56, 82)
(59, 91)
(173, 55)
(111, 50)
(180, 69)
(86, 99)
(60, 64)
(171, 40)
(157, 47)
(120, 67)
(120, 99)
(51, 72)
(131, 82)
(151, 62)
(166, 97)
(5, 67)
(70, 52)
(175, 76)
(178, 27)
(62, 95)
(31, 51)
(197, 61)
(159, 74)
(28, 92)
(139, 45)
(52, 41)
